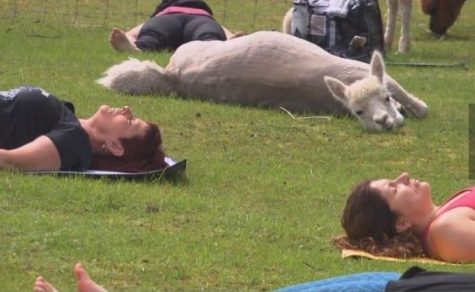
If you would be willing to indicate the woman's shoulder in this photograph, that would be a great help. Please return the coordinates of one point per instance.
(452, 218)
(452, 235)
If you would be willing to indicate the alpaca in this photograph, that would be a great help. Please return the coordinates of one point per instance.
(443, 15)
(272, 69)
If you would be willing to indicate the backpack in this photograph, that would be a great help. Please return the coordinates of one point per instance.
(347, 28)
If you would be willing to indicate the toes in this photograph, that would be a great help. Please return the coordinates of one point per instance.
(80, 272)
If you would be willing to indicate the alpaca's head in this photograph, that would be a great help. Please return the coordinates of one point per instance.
(369, 99)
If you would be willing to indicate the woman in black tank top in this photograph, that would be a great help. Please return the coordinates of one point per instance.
(40, 132)
(172, 24)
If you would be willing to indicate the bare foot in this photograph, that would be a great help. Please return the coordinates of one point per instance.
(84, 282)
(41, 285)
(120, 42)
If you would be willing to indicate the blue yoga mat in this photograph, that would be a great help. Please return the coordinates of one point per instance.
(362, 282)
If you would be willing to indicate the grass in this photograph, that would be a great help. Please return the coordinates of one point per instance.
(263, 193)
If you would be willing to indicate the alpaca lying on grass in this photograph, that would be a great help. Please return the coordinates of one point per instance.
(272, 69)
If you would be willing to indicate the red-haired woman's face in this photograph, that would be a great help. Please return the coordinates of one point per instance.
(405, 196)
(119, 123)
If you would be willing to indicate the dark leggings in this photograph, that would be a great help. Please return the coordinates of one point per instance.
(169, 31)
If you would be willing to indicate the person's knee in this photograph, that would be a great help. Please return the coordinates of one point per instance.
(151, 42)
(211, 36)
(204, 29)
(208, 33)
(159, 33)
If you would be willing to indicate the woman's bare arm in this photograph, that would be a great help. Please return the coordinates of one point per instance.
(40, 154)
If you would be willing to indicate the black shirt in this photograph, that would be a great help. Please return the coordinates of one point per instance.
(29, 112)
(417, 279)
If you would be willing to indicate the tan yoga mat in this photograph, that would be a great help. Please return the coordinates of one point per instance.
(351, 253)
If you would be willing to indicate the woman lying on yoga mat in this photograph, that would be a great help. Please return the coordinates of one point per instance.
(40, 132)
(173, 23)
(397, 217)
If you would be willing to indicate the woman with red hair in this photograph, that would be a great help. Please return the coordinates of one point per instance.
(40, 132)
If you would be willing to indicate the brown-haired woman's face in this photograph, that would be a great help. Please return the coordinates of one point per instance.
(404, 195)
(119, 123)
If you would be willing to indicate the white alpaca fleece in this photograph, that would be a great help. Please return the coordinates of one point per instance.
(136, 77)
(268, 69)
(360, 89)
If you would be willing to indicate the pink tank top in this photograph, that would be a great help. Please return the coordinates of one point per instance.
(184, 10)
(466, 200)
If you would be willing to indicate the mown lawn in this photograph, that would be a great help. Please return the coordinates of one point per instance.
(262, 196)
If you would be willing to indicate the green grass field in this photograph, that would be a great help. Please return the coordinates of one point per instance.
(263, 194)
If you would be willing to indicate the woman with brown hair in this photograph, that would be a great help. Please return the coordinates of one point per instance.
(397, 217)
(40, 132)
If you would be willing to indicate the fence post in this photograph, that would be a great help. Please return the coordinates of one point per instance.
(254, 17)
(45, 10)
(136, 12)
(106, 15)
(76, 12)
(224, 11)
(14, 9)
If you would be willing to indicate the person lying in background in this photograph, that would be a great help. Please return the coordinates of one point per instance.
(39, 132)
(173, 23)
(397, 217)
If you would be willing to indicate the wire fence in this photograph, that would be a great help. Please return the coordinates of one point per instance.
(249, 15)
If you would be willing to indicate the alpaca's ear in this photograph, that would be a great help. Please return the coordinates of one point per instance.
(337, 88)
(377, 66)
